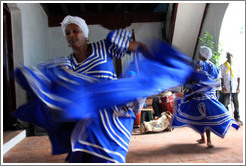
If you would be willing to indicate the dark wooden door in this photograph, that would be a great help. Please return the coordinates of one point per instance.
(9, 101)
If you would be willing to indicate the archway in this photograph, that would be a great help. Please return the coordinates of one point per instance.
(232, 39)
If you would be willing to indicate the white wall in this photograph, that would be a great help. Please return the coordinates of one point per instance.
(187, 26)
(145, 31)
(34, 31)
(57, 44)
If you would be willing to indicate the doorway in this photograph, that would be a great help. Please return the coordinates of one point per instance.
(232, 39)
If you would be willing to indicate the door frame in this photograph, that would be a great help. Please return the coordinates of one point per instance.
(9, 98)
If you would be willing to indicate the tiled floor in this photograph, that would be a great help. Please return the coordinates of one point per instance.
(177, 146)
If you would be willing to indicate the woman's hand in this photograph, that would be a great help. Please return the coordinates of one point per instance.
(134, 46)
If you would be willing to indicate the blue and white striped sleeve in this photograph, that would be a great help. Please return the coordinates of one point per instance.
(118, 42)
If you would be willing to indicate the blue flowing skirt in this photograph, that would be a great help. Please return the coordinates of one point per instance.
(202, 111)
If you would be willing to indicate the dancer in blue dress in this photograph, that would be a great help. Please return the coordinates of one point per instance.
(82, 105)
(106, 137)
(200, 109)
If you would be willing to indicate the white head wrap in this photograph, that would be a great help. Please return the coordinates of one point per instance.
(206, 52)
(75, 20)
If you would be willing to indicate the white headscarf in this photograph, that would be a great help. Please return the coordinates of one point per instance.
(206, 52)
(75, 20)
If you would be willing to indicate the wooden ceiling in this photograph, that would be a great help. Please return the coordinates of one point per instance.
(109, 15)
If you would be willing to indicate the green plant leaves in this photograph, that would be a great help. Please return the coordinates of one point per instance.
(207, 40)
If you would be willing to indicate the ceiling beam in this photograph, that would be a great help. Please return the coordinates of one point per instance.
(118, 7)
(112, 21)
(82, 8)
(153, 6)
(64, 8)
(99, 8)
(134, 6)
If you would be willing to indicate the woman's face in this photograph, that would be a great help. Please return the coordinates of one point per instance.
(202, 58)
(75, 36)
